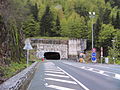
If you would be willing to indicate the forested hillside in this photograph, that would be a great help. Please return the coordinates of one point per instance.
(20, 19)
(70, 18)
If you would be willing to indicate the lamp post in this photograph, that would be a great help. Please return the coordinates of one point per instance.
(92, 15)
(27, 47)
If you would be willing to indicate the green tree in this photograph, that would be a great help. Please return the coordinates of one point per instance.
(106, 16)
(97, 28)
(117, 21)
(64, 28)
(47, 23)
(105, 37)
(35, 11)
(57, 28)
(31, 28)
(76, 26)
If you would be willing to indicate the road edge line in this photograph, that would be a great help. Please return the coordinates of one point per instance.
(83, 86)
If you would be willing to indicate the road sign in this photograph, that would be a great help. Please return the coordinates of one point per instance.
(93, 49)
(93, 58)
(28, 46)
(93, 54)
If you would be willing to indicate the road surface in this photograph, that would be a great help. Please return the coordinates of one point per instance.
(69, 75)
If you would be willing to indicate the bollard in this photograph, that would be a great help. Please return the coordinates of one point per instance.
(42, 59)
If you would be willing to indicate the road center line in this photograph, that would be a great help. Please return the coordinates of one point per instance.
(83, 86)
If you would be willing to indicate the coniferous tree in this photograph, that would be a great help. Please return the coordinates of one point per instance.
(117, 21)
(106, 1)
(97, 28)
(46, 23)
(31, 28)
(35, 11)
(106, 16)
(57, 28)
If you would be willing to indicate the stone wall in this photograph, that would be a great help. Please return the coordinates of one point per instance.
(75, 46)
(61, 48)
(66, 48)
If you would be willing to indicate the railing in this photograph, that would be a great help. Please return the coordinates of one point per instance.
(17, 81)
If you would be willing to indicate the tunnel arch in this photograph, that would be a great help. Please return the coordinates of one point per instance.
(52, 55)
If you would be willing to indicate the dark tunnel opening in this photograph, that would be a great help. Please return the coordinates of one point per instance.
(52, 55)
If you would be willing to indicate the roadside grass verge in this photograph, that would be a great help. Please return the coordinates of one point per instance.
(8, 71)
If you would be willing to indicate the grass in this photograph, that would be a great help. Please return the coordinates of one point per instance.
(12, 69)
(59, 38)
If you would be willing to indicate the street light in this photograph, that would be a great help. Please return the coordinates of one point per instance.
(27, 47)
(92, 15)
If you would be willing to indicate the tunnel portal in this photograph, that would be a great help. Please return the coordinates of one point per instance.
(52, 55)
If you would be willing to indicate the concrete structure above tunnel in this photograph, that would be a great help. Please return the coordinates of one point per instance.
(66, 48)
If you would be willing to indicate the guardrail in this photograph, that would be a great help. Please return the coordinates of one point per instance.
(16, 82)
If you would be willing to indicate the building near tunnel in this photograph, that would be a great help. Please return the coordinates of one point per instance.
(61, 49)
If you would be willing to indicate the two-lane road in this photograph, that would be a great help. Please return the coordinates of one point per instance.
(67, 75)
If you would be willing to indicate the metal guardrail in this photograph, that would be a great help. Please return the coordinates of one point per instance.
(18, 80)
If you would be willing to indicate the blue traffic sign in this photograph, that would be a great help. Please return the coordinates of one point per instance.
(93, 54)
(93, 58)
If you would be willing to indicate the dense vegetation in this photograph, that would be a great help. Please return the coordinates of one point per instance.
(70, 18)
(20, 19)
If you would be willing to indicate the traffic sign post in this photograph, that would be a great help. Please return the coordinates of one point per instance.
(27, 47)
(93, 55)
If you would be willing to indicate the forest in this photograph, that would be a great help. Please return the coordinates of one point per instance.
(20, 19)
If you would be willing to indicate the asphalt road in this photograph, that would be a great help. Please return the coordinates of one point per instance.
(69, 75)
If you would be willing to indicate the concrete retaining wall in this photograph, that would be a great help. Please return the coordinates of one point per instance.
(20, 80)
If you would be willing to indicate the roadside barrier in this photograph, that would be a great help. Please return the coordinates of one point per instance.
(20, 80)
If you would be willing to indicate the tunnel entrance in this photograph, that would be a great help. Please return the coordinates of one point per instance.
(52, 55)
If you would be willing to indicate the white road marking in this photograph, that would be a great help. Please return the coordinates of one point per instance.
(59, 87)
(117, 76)
(46, 84)
(83, 86)
(90, 69)
(54, 72)
(59, 80)
(98, 71)
(101, 72)
(82, 67)
(57, 75)
(102, 66)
